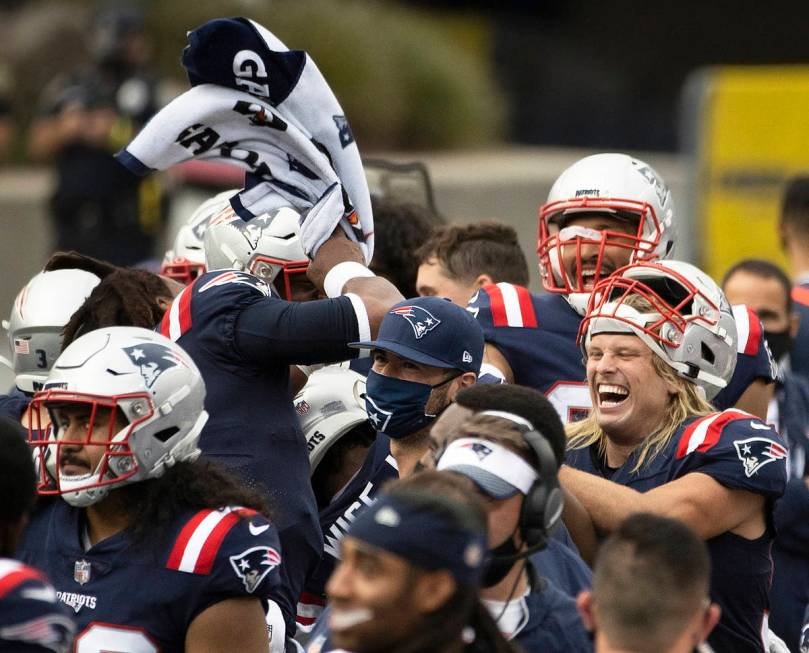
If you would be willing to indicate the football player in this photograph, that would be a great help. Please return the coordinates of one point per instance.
(513, 467)
(457, 260)
(653, 444)
(603, 212)
(331, 409)
(560, 561)
(650, 589)
(153, 549)
(244, 338)
(32, 619)
(185, 261)
(39, 314)
(427, 349)
(408, 575)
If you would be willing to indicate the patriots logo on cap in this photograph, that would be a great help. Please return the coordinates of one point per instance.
(757, 452)
(480, 449)
(254, 564)
(152, 360)
(420, 319)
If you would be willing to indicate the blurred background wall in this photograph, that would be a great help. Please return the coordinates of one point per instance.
(495, 98)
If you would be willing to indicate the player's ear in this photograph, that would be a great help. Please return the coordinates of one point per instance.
(709, 620)
(483, 280)
(584, 604)
(433, 589)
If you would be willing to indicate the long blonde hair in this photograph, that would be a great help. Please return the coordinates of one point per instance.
(687, 402)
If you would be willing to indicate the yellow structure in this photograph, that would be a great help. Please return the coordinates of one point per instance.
(753, 134)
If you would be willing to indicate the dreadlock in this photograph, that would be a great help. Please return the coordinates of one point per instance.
(125, 296)
(76, 261)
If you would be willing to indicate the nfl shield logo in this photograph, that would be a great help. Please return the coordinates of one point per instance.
(81, 571)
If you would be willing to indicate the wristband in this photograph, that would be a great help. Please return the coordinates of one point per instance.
(341, 274)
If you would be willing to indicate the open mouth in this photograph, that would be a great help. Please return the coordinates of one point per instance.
(610, 395)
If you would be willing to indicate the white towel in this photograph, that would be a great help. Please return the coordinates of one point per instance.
(286, 129)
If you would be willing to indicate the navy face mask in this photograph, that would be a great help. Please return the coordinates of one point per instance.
(396, 407)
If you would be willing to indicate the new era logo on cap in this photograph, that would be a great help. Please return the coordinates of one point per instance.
(387, 516)
(420, 319)
(467, 357)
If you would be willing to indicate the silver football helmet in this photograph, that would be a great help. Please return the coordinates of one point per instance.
(40, 312)
(677, 310)
(137, 403)
(614, 184)
(185, 261)
(329, 406)
(268, 246)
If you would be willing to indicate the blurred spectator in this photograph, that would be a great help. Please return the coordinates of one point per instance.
(650, 589)
(98, 207)
(400, 228)
(765, 288)
(794, 231)
(459, 259)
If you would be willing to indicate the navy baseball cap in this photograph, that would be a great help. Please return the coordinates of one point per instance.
(430, 331)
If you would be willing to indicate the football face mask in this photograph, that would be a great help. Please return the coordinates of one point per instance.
(574, 258)
(86, 449)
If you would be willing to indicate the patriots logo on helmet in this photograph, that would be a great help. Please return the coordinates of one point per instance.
(420, 319)
(481, 450)
(757, 452)
(661, 189)
(152, 360)
(254, 564)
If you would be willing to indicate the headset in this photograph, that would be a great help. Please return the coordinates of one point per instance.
(542, 506)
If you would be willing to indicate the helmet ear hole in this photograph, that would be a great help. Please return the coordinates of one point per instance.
(166, 434)
(708, 354)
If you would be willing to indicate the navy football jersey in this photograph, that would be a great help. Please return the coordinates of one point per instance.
(753, 359)
(536, 334)
(790, 555)
(378, 468)
(799, 355)
(32, 619)
(13, 404)
(128, 598)
(243, 339)
(741, 453)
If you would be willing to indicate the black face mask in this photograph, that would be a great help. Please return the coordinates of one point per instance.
(501, 559)
(780, 343)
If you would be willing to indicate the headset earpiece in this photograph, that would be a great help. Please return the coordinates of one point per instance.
(542, 506)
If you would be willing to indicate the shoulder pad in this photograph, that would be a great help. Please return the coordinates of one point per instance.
(748, 327)
(504, 305)
(196, 547)
(703, 433)
(14, 573)
(755, 443)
